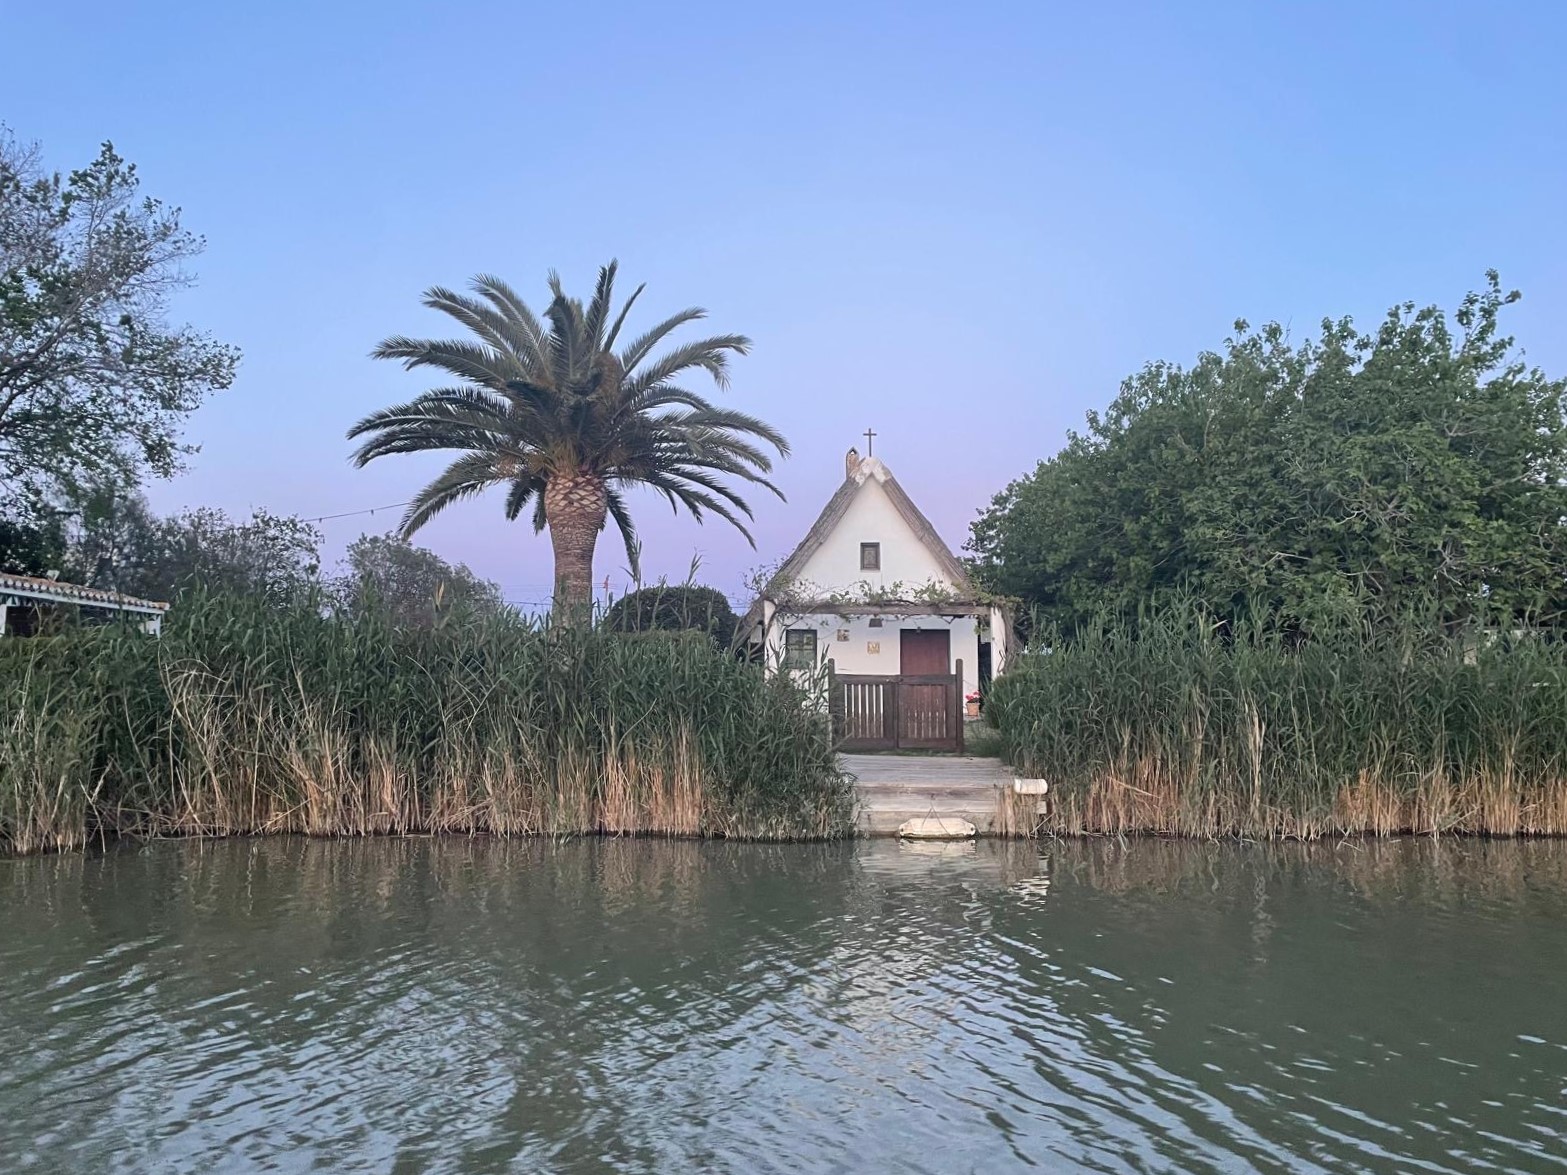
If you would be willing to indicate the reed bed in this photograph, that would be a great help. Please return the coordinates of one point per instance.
(1172, 724)
(246, 719)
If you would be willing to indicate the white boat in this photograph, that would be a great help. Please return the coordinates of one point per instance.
(936, 828)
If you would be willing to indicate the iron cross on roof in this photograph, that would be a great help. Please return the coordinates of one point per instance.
(870, 438)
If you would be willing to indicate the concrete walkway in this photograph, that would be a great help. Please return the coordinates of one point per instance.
(895, 788)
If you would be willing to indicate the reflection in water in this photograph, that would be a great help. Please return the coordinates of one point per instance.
(472, 1005)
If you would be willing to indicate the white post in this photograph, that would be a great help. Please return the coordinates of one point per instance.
(5, 607)
(769, 660)
(1000, 633)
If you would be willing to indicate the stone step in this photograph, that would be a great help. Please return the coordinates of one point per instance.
(911, 791)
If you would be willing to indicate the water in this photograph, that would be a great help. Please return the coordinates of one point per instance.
(451, 1005)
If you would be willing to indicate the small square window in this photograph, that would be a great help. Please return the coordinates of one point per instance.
(799, 648)
(870, 556)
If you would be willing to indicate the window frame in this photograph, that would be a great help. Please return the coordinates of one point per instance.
(796, 658)
(873, 550)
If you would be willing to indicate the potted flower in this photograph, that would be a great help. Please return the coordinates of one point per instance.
(971, 704)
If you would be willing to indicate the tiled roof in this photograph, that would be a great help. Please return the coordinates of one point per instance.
(73, 593)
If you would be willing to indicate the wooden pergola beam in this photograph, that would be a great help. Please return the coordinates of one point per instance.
(900, 608)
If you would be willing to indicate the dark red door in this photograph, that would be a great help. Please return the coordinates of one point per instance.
(925, 651)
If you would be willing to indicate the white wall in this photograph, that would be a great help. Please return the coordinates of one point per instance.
(872, 518)
(854, 656)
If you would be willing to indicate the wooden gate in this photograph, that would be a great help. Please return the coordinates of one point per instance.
(907, 712)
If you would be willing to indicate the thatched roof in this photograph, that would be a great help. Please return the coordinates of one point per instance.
(859, 472)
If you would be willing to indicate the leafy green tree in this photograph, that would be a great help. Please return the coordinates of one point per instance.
(675, 608)
(119, 544)
(94, 381)
(566, 423)
(416, 587)
(32, 547)
(1420, 467)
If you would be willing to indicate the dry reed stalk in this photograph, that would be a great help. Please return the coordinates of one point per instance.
(46, 783)
(621, 806)
(393, 802)
(1013, 819)
(570, 808)
(685, 805)
(511, 804)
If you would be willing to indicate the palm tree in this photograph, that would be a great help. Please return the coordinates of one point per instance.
(568, 423)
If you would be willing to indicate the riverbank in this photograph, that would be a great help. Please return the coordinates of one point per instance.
(1183, 728)
(247, 718)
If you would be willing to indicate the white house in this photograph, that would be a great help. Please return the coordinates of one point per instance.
(873, 589)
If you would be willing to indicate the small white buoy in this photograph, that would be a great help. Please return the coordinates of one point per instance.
(936, 828)
(1030, 787)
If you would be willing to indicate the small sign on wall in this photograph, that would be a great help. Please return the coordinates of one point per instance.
(843, 634)
(873, 646)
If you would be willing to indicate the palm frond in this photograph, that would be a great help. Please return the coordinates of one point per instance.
(712, 485)
(642, 346)
(663, 395)
(482, 365)
(618, 510)
(468, 475)
(502, 332)
(523, 490)
(599, 307)
(620, 319)
(697, 500)
(565, 319)
(511, 306)
(711, 355)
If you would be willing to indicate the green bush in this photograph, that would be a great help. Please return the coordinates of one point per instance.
(679, 607)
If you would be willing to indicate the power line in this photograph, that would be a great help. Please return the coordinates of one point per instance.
(353, 513)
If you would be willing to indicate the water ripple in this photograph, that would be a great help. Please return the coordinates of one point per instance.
(641, 1006)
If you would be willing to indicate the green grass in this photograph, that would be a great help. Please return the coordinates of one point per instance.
(1174, 726)
(983, 740)
(249, 719)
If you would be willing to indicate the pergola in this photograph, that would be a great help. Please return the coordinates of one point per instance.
(18, 591)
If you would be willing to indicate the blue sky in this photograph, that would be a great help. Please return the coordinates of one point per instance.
(960, 224)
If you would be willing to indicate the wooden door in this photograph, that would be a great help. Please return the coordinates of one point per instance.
(925, 652)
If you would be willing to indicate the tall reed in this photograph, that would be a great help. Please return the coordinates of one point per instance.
(250, 719)
(1173, 724)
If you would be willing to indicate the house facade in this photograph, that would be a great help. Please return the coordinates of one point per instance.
(875, 591)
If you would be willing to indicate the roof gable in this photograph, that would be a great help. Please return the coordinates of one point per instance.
(866, 472)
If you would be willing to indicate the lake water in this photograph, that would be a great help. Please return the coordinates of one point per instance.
(452, 1005)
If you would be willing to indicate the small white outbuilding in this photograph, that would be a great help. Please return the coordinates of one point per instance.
(22, 596)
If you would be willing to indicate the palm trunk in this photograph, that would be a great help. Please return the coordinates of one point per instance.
(575, 508)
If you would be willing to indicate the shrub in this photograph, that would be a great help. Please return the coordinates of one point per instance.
(671, 608)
